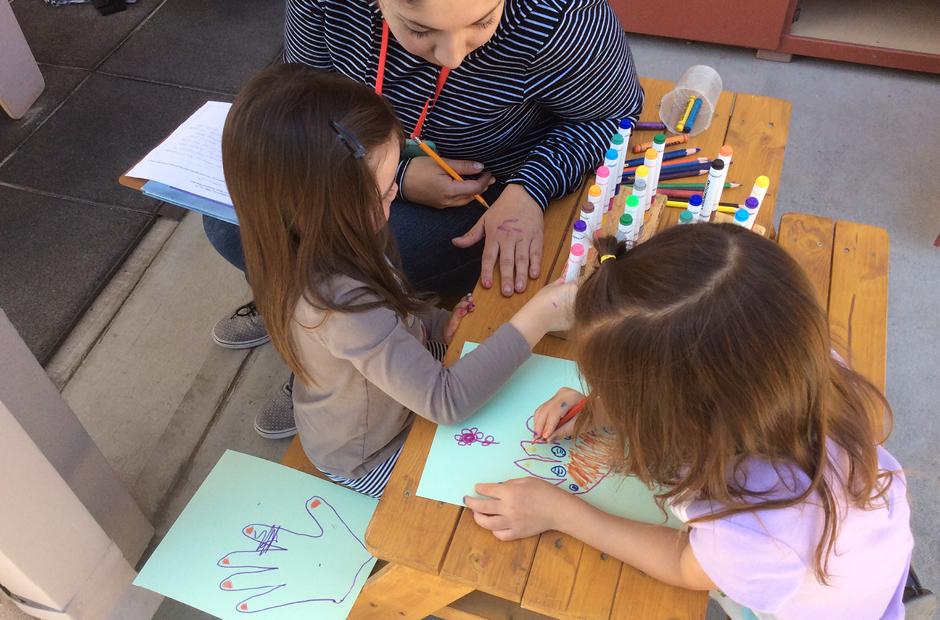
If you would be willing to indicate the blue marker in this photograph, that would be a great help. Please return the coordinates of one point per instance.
(695, 206)
(691, 121)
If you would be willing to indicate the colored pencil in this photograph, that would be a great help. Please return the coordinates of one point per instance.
(670, 141)
(674, 162)
(698, 186)
(636, 161)
(680, 203)
(672, 175)
(443, 165)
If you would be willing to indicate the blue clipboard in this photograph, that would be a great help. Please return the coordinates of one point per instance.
(178, 197)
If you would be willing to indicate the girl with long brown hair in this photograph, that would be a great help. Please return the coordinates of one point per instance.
(712, 378)
(310, 160)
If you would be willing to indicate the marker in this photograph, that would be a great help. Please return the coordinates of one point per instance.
(650, 126)
(695, 207)
(594, 196)
(575, 259)
(659, 145)
(569, 416)
(668, 155)
(587, 215)
(751, 205)
(617, 143)
(725, 153)
(624, 130)
(670, 141)
(686, 217)
(679, 174)
(650, 162)
(632, 208)
(610, 163)
(760, 188)
(579, 233)
(680, 126)
(446, 168)
(725, 207)
(625, 228)
(741, 216)
(689, 124)
(712, 189)
(694, 186)
(641, 189)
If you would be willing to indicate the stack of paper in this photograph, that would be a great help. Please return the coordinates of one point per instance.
(186, 169)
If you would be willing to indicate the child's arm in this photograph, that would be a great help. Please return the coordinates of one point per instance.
(382, 349)
(526, 506)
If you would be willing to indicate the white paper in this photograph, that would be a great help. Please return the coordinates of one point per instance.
(191, 158)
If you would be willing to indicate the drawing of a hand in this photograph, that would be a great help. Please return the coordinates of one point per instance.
(576, 466)
(286, 567)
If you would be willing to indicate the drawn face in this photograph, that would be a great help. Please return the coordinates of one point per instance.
(576, 466)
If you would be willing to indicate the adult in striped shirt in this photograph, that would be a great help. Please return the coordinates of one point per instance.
(535, 91)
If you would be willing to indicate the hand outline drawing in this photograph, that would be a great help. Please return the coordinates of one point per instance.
(282, 569)
(575, 466)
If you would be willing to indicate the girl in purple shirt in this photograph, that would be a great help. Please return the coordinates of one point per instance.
(708, 359)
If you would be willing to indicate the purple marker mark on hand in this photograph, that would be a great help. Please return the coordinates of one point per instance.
(470, 436)
(506, 224)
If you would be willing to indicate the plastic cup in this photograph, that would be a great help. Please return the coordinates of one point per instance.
(698, 81)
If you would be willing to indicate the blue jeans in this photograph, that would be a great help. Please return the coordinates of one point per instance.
(423, 235)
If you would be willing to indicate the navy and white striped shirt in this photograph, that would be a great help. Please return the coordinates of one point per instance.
(537, 104)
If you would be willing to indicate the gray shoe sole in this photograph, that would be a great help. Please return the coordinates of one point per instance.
(244, 344)
(277, 435)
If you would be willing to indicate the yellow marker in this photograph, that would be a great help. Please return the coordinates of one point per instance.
(678, 204)
(443, 164)
(685, 115)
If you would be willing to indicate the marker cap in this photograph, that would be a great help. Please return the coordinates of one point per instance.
(641, 171)
(650, 153)
(659, 138)
(751, 203)
(611, 154)
(633, 201)
(686, 217)
(595, 191)
(741, 215)
(616, 139)
(626, 219)
(762, 181)
(695, 200)
(626, 123)
(725, 150)
(577, 250)
(639, 184)
(581, 225)
(718, 164)
(602, 171)
(588, 208)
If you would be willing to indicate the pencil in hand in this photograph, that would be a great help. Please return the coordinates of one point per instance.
(569, 416)
(446, 168)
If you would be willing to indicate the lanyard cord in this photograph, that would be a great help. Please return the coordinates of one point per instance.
(380, 80)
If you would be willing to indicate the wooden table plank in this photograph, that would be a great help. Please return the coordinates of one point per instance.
(758, 134)
(808, 239)
(858, 298)
(396, 591)
(639, 596)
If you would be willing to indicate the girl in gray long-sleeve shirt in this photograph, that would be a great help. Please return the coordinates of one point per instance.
(310, 161)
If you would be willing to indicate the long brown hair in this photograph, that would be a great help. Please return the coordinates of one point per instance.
(308, 208)
(705, 347)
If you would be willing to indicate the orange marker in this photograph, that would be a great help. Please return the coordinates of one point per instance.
(671, 141)
(453, 173)
(569, 415)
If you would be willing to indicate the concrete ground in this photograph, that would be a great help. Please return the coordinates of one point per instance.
(163, 402)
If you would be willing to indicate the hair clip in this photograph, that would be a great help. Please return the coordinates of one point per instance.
(606, 257)
(346, 137)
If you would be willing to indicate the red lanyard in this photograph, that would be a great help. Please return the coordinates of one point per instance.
(380, 79)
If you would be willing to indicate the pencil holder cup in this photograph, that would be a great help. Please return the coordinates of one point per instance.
(698, 81)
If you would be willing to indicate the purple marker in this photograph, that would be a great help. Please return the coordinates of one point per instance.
(579, 233)
(650, 126)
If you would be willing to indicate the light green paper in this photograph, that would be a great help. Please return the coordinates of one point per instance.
(500, 448)
(224, 552)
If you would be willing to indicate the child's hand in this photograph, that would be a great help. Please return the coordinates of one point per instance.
(461, 310)
(518, 508)
(551, 309)
(551, 411)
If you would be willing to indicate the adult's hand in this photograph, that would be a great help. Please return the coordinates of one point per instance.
(425, 183)
(513, 228)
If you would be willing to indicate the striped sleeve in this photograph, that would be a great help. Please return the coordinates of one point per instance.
(304, 36)
(585, 77)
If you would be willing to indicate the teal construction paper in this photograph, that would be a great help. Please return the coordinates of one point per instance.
(261, 540)
(495, 444)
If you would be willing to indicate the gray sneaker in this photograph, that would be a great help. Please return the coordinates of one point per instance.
(276, 418)
(242, 330)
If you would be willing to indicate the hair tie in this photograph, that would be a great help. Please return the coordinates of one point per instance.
(606, 256)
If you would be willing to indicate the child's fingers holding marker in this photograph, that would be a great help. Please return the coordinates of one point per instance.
(550, 412)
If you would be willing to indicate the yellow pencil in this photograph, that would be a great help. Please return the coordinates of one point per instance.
(682, 205)
(443, 164)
